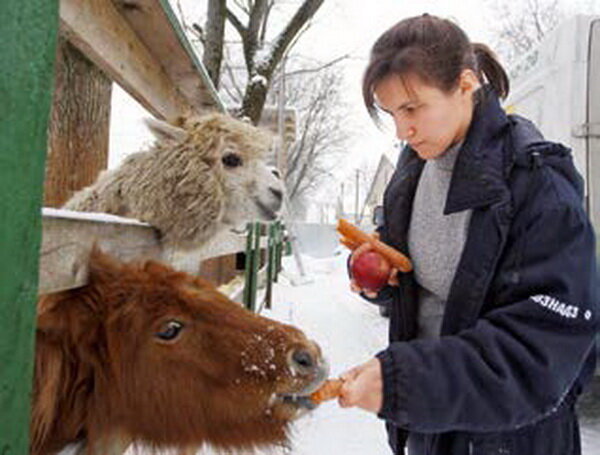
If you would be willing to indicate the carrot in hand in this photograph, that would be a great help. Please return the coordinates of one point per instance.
(351, 235)
(328, 391)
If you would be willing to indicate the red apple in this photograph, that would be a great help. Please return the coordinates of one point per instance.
(370, 270)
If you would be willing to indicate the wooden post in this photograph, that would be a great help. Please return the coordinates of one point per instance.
(79, 127)
(28, 30)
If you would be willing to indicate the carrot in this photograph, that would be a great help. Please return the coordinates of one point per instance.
(355, 236)
(350, 244)
(328, 391)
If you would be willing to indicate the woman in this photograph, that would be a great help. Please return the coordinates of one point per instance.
(492, 335)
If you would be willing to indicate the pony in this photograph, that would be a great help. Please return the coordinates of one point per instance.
(145, 354)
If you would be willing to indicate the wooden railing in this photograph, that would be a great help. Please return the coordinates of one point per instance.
(140, 45)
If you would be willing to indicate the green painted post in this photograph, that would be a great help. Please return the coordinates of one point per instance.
(248, 265)
(270, 265)
(279, 252)
(28, 34)
(255, 265)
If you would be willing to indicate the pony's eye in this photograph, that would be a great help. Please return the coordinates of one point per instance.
(169, 330)
(232, 160)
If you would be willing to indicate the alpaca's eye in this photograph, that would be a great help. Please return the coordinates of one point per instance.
(232, 160)
(169, 330)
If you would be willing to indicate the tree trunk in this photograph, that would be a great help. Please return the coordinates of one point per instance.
(214, 39)
(254, 99)
(79, 125)
(261, 73)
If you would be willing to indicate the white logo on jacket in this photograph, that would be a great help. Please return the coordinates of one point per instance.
(565, 310)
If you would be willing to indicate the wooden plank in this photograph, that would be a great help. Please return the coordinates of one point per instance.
(106, 38)
(29, 31)
(69, 236)
(158, 28)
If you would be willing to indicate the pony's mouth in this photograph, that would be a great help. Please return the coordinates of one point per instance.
(296, 404)
(301, 402)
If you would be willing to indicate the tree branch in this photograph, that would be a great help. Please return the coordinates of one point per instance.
(302, 16)
(237, 24)
(318, 68)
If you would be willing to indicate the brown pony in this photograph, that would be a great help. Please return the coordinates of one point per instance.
(146, 354)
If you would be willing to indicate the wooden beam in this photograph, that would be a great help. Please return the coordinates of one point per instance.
(159, 29)
(101, 31)
(29, 31)
(68, 238)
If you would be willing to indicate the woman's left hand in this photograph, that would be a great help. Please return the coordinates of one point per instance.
(363, 387)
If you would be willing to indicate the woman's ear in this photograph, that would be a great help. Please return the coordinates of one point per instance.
(469, 82)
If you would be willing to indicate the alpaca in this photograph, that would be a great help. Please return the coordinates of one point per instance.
(145, 354)
(201, 176)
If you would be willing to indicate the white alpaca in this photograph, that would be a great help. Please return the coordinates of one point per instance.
(203, 174)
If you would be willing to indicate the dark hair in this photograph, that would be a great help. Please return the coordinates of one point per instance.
(436, 50)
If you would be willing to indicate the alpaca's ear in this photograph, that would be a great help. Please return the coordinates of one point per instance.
(165, 132)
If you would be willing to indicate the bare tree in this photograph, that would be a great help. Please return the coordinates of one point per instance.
(518, 27)
(262, 53)
(323, 132)
(248, 74)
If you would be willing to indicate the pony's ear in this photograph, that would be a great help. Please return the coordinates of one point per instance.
(102, 267)
(70, 314)
(165, 132)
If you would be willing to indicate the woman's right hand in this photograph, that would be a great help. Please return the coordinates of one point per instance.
(392, 279)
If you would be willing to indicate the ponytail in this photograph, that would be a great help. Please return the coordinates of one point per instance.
(490, 69)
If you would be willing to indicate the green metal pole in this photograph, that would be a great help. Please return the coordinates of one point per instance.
(255, 266)
(28, 34)
(248, 265)
(279, 251)
(270, 265)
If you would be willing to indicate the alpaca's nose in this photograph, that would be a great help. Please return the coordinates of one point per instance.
(276, 173)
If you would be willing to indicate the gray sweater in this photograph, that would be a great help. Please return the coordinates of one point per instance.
(435, 241)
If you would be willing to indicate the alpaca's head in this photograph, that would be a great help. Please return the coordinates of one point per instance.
(234, 154)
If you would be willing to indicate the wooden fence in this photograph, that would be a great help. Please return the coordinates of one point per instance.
(140, 45)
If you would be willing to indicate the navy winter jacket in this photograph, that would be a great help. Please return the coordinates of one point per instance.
(517, 338)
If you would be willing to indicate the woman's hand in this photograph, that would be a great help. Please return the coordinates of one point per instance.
(392, 279)
(363, 387)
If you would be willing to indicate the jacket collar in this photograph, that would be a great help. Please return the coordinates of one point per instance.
(479, 175)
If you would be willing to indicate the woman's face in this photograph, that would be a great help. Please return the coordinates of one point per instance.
(429, 119)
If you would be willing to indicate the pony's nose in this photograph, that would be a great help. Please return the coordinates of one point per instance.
(302, 361)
